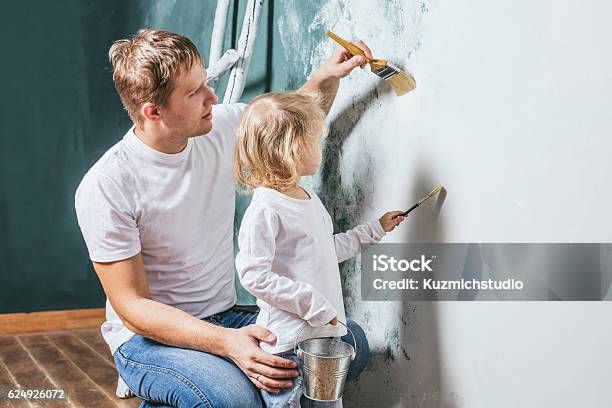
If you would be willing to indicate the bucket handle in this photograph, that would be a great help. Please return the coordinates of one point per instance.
(297, 352)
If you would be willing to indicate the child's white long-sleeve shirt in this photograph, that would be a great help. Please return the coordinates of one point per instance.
(288, 260)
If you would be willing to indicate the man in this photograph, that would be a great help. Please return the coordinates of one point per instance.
(156, 212)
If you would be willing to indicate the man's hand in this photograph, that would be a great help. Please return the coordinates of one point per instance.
(391, 219)
(265, 370)
(341, 62)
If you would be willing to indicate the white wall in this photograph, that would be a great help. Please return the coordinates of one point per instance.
(513, 114)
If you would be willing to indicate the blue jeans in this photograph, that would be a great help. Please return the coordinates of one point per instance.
(166, 376)
(287, 397)
(292, 397)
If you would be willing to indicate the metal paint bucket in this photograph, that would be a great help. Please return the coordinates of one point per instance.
(325, 365)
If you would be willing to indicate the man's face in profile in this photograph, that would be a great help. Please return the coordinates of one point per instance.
(188, 111)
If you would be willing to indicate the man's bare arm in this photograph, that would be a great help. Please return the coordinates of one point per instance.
(125, 285)
(326, 79)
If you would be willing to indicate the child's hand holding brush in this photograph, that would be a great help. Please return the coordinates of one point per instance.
(391, 219)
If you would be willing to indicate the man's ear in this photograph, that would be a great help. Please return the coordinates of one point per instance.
(150, 111)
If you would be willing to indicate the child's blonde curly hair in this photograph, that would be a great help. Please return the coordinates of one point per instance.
(275, 129)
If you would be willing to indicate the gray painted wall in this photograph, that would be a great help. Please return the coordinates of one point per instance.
(512, 115)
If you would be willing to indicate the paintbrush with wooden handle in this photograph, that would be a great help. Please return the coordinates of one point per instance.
(400, 81)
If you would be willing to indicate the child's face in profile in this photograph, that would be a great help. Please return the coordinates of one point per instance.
(311, 157)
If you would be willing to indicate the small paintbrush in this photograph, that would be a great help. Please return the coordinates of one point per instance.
(431, 194)
(400, 81)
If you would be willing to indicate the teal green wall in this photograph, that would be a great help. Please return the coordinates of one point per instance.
(60, 112)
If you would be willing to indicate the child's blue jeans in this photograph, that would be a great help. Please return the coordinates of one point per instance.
(287, 397)
(292, 397)
(165, 376)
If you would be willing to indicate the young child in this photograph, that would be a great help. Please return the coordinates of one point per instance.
(289, 256)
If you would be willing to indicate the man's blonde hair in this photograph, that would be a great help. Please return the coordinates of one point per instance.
(144, 67)
(275, 130)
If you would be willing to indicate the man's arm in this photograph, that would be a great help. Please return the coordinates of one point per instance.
(326, 79)
(125, 284)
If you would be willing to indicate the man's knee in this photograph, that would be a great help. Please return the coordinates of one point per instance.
(224, 388)
(184, 378)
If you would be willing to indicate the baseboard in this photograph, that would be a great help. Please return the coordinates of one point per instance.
(13, 323)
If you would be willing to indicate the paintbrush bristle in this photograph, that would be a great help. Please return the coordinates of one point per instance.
(433, 192)
(401, 83)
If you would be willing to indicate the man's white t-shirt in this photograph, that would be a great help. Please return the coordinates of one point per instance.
(176, 209)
